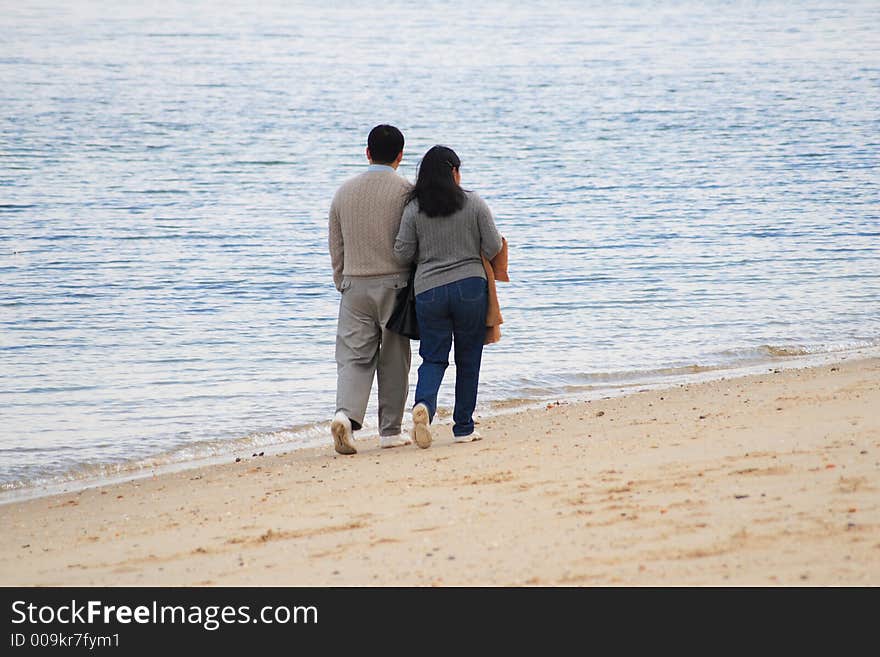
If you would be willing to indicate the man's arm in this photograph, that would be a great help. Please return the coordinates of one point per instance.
(337, 250)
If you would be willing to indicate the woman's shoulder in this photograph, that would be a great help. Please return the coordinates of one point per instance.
(475, 202)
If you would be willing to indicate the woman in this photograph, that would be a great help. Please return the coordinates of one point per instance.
(446, 229)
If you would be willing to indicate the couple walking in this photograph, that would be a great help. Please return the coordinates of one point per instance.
(380, 226)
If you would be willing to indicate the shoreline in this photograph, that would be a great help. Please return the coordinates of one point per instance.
(227, 451)
(767, 479)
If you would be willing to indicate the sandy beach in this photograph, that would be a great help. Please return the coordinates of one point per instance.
(764, 480)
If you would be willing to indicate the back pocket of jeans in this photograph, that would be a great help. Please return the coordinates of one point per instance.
(426, 297)
(472, 289)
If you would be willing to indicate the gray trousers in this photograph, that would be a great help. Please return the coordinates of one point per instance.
(364, 347)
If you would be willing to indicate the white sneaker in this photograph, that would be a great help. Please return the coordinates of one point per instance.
(340, 427)
(468, 438)
(421, 433)
(396, 440)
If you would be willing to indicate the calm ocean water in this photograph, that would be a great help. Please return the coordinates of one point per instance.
(684, 185)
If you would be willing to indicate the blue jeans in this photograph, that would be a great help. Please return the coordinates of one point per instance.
(447, 314)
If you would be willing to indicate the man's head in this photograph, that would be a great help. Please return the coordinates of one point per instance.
(385, 145)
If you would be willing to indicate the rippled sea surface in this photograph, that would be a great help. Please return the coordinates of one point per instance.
(684, 185)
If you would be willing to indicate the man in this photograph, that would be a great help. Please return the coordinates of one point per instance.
(364, 219)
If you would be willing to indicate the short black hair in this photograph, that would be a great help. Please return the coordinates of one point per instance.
(385, 143)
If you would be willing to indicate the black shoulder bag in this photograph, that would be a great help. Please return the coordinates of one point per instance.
(403, 318)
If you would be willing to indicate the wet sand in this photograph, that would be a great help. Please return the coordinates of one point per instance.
(767, 480)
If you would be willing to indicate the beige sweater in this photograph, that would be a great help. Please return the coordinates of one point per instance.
(364, 220)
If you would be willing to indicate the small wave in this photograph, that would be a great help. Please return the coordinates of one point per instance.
(792, 350)
(265, 163)
(181, 458)
(730, 362)
(516, 394)
(784, 351)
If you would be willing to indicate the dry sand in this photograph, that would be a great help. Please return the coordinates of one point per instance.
(768, 480)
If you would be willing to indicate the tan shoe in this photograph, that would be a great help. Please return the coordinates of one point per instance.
(421, 432)
(340, 427)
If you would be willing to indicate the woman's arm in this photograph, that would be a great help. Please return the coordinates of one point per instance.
(407, 242)
(490, 238)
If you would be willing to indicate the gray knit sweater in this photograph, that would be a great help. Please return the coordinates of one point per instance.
(447, 249)
(364, 218)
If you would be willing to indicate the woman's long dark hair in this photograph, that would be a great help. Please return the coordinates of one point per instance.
(435, 189)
